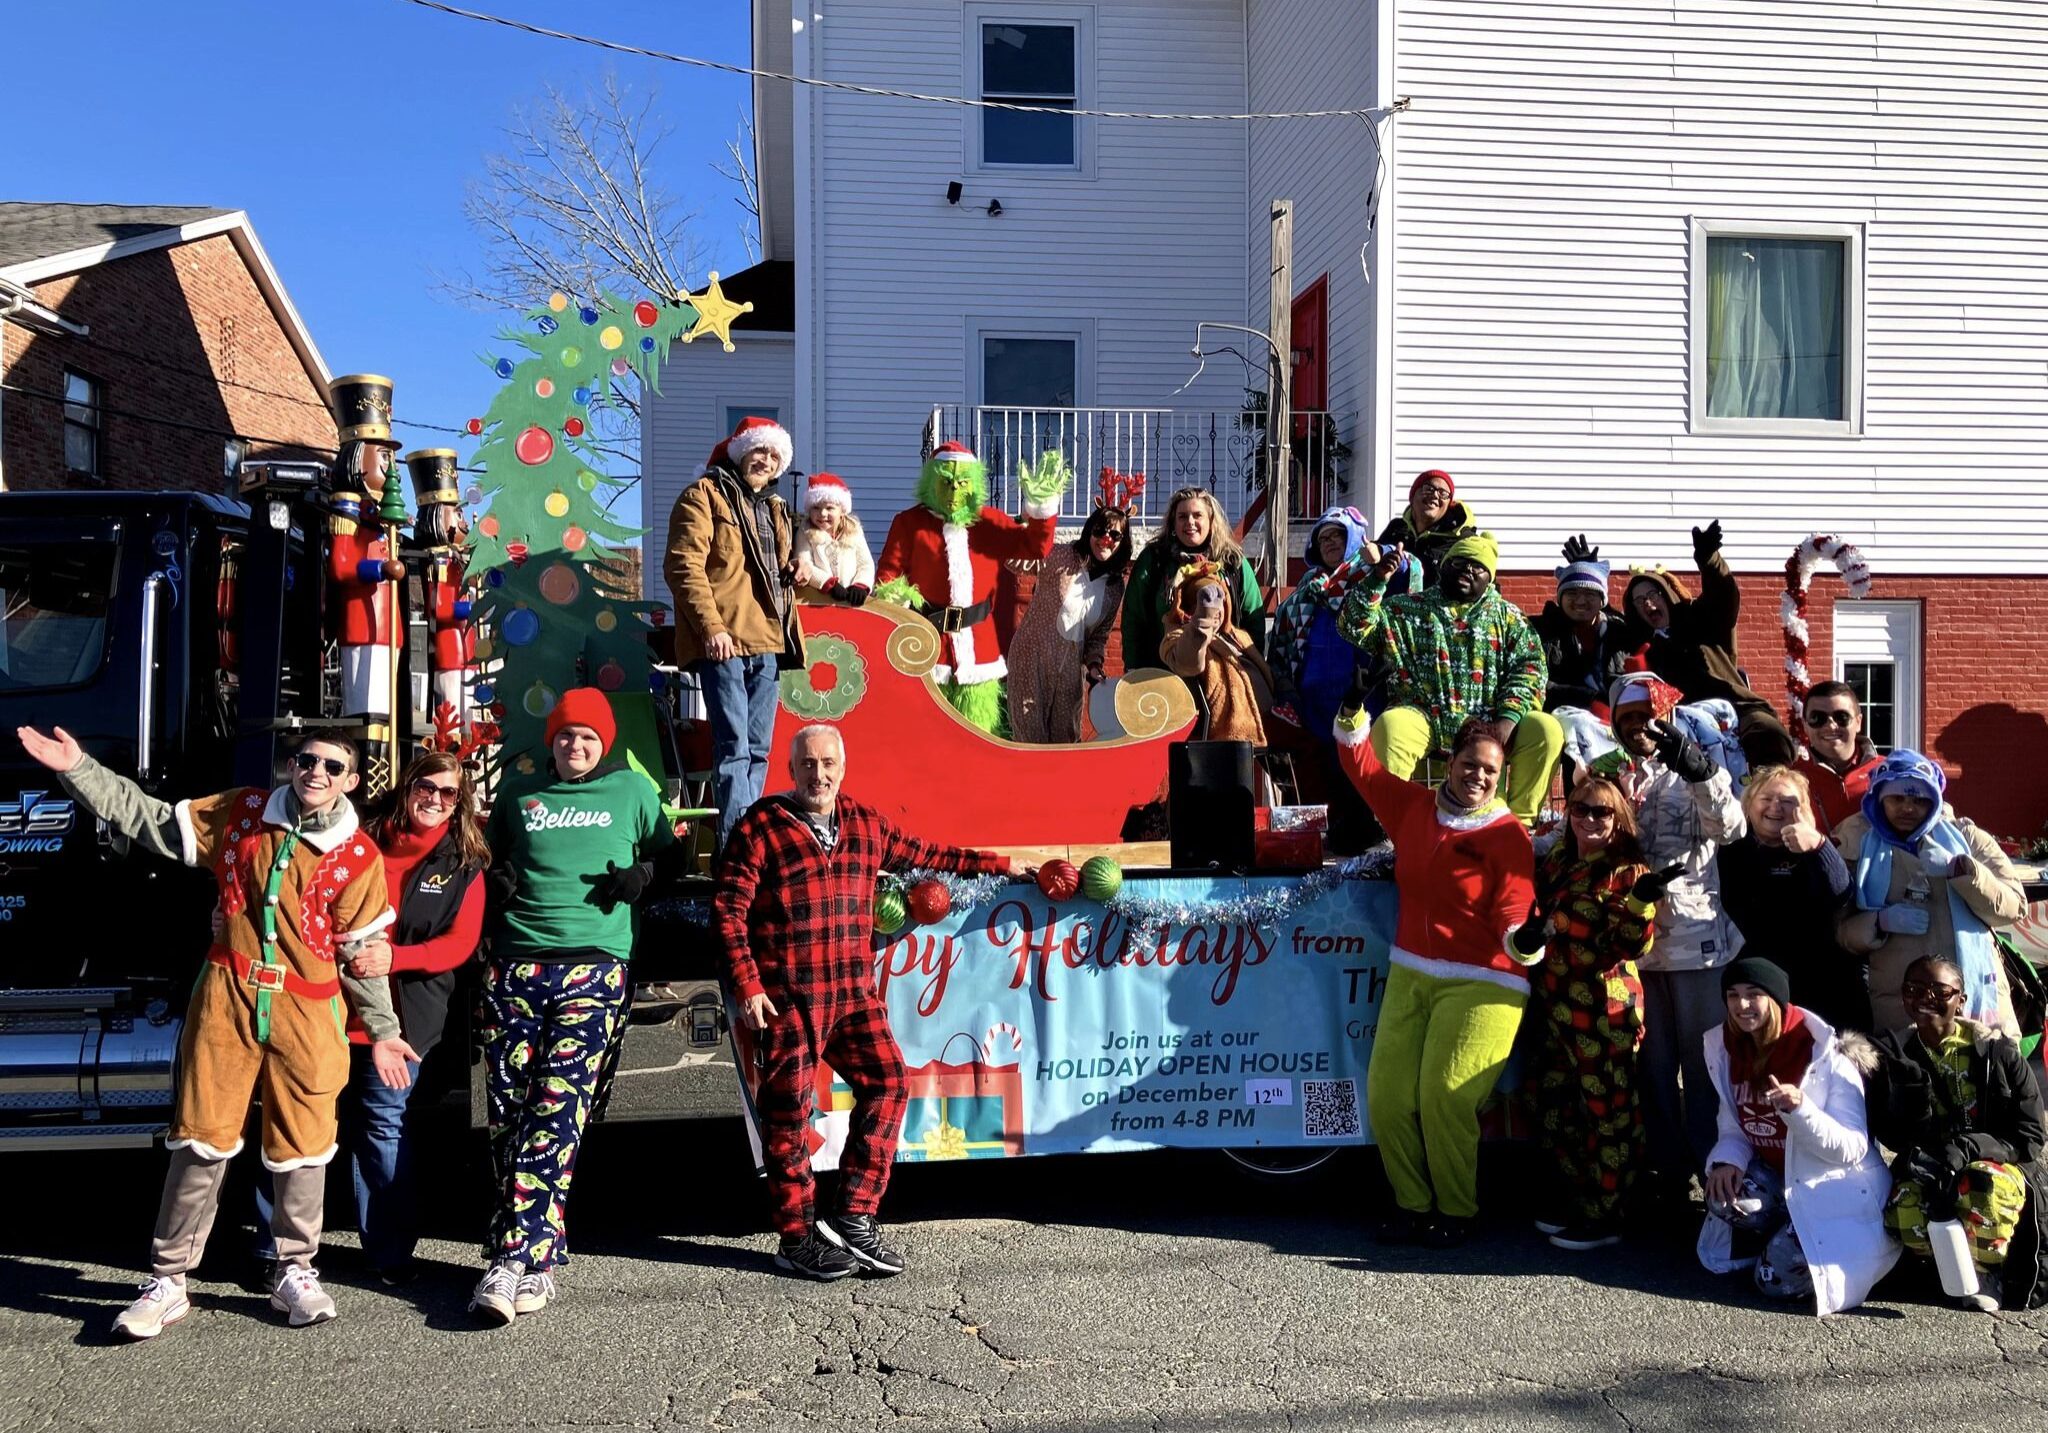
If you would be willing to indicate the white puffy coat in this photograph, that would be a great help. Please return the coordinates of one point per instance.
(844, 560)
(1835, 1181)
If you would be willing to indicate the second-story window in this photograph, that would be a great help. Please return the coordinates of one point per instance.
(82, 400)
(1035, 65)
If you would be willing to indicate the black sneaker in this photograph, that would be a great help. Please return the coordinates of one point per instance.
(1990, 1295)
(1400, 1227)
(1446, 1231)
(858, 1236)
(1586, 1236)
(812, 1258)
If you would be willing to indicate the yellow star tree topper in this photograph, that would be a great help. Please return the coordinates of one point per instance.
(715, 313)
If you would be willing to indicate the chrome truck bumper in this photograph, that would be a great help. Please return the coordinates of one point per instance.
(83, 1069)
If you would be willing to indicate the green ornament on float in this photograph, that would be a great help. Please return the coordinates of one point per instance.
(891, 910)
(1101, 879)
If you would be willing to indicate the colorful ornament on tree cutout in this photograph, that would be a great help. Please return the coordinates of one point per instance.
(560, 584)
(574, 539)
(485, 650)
(534, 446)
(1059, 880)
(574, 428)
(620, 368)
(473, 427)
(606, 621)
(1101, 878)
(610, 677)
(930, 902)
(472, 495)
(581, 395)
(518, 552)
(587, 314)
(539, 699)
(645, 313)
(571, 355)
(556, 503)
(647, 345)
(488, 525)
(503, 368)
(495, 577)
(891, 910)
(831, 682)
(545, 324)
(610, 337)
(544, 388)
(587, 481)
(558, 301)
(520, 627)
(485, 693)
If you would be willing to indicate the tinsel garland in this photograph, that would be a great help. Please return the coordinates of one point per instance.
(1792, 610)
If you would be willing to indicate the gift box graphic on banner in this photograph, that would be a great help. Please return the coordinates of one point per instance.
(956, 1111)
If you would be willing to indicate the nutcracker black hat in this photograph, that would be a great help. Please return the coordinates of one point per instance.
(433, 476)
(362, 407)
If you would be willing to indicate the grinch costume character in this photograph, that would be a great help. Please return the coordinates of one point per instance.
(942, 558)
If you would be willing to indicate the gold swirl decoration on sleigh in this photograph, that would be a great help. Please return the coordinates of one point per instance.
(1150, 702)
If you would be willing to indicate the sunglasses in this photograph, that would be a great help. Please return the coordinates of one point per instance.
(1922, 989)
(306, 761)
(438, 794)
(1830, 718)
(1586, 811)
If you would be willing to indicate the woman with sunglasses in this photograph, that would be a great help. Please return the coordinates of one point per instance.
(1784, 884)
(1592, 921)
(434, 854)
(1956, 1102)
(1195, 528)
(1057, 654)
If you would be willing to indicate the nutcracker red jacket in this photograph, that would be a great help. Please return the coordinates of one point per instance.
(1465, 883)
(796, 918)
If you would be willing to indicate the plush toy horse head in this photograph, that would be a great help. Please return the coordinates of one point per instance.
(953, 484)
(1200, 591)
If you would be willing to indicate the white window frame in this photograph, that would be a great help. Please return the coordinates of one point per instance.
(1903, 646)
(1850, 425)
(1081, 331)
(93, 424)
(1081, 18)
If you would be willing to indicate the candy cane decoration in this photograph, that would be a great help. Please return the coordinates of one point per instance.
(992, 1042)
(1792, 609)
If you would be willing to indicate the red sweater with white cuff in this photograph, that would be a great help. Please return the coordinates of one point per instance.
(1466, 881)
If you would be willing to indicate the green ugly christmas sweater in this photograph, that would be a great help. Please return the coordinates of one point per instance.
(1454, 661)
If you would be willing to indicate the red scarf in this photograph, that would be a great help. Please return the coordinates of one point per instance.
(1786, 1062)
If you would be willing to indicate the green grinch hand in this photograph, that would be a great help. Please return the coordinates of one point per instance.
(902, 592)
(1045, 480)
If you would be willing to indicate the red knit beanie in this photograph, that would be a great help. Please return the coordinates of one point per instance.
(584, 706)
(1439, 474)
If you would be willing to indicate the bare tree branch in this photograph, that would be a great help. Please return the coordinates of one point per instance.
(741, 172)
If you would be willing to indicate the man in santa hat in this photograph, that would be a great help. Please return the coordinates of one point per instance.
(731, 567)
(943, 557)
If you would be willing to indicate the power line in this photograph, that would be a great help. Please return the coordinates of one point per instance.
(875, 91)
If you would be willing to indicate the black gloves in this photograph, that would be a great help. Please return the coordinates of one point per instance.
(856, 594)
(500, 883)
(1706, 541)
(623, 885)
(1532, 934)
(1680, 753)
(1577, 550)
(1651, 885)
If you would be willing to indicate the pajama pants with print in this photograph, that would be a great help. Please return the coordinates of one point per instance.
(1990, 1197)
(850, 1034)
(545, 1030)
(1592, 1124)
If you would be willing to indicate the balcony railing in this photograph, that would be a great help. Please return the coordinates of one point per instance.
(1173, 449)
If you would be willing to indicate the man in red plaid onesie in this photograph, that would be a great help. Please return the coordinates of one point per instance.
(794, 911)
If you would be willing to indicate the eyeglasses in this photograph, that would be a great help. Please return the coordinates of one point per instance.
(435, 792)
(1923, 989)
(1431, 491)
(306, 761)
(1830, 718)
(1587, 811)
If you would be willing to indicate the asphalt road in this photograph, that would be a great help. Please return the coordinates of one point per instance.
(1092, 1293)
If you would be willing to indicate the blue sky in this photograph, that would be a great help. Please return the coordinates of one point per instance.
(348, 131)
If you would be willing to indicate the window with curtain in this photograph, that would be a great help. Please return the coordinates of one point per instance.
(1775, 328)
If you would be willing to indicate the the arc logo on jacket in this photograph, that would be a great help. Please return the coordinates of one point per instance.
(539, 818)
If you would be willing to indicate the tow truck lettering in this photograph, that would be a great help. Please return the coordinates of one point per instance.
(36, 823)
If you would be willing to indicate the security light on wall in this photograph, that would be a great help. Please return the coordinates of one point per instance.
(995, 208)
(953, 192)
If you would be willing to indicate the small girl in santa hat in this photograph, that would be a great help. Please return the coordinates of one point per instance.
(832, 556)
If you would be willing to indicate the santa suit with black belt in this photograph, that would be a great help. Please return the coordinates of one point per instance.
(954, 566)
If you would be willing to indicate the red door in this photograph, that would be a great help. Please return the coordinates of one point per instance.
(1310, 396)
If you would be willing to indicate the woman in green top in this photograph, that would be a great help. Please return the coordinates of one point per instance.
(571, 851)
(1195, 528)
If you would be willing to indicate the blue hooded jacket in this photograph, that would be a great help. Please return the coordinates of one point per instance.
(1306, 645)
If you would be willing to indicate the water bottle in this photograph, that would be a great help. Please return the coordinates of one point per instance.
(1952, 1257)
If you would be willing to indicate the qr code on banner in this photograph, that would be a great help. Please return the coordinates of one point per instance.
(1329, 1109)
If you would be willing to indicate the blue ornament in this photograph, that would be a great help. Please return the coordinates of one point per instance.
(485, 694)
(647, 345)
(503, 368)
(582, 395)
(587, 314)
(546, 323)
(495, 577)
(520, 627)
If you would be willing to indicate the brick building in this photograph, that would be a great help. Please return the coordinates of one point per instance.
(147, 347)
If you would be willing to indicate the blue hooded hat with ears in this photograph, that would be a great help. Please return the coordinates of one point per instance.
(1355, 534)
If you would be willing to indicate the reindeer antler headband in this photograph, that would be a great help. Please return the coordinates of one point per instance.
(1119, 491)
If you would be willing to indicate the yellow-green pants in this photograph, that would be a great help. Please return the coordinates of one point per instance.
(1438, 1053)
(1401, 739)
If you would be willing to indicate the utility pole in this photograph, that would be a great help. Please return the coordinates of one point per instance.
(1279, 383)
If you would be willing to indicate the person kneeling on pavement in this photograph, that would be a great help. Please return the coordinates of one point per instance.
(1795, 1185)
(794, 913)
(1955, 1101)
(300, 888)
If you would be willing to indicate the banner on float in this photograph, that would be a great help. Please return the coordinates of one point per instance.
(1030, 1026)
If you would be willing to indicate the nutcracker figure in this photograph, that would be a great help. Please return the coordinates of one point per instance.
(441, 535)
(364, 575)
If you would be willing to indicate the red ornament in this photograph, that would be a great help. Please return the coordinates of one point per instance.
(610, 677)
(1059, 880)
(474, 426)
(534, 447)
(930, 901)
(645, 313)
(574, 427)
(518, 552)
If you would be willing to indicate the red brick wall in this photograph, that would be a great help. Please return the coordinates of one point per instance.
(182, 334)
(1984, 675)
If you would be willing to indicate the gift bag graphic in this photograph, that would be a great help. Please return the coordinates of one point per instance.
(964, 1111)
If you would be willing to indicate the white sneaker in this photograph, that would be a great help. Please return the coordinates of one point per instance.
(297, 1293)
(162, 1302)
(534, 1292)
(496, 1290)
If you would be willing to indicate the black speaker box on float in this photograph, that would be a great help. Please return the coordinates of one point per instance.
(1209, 801)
